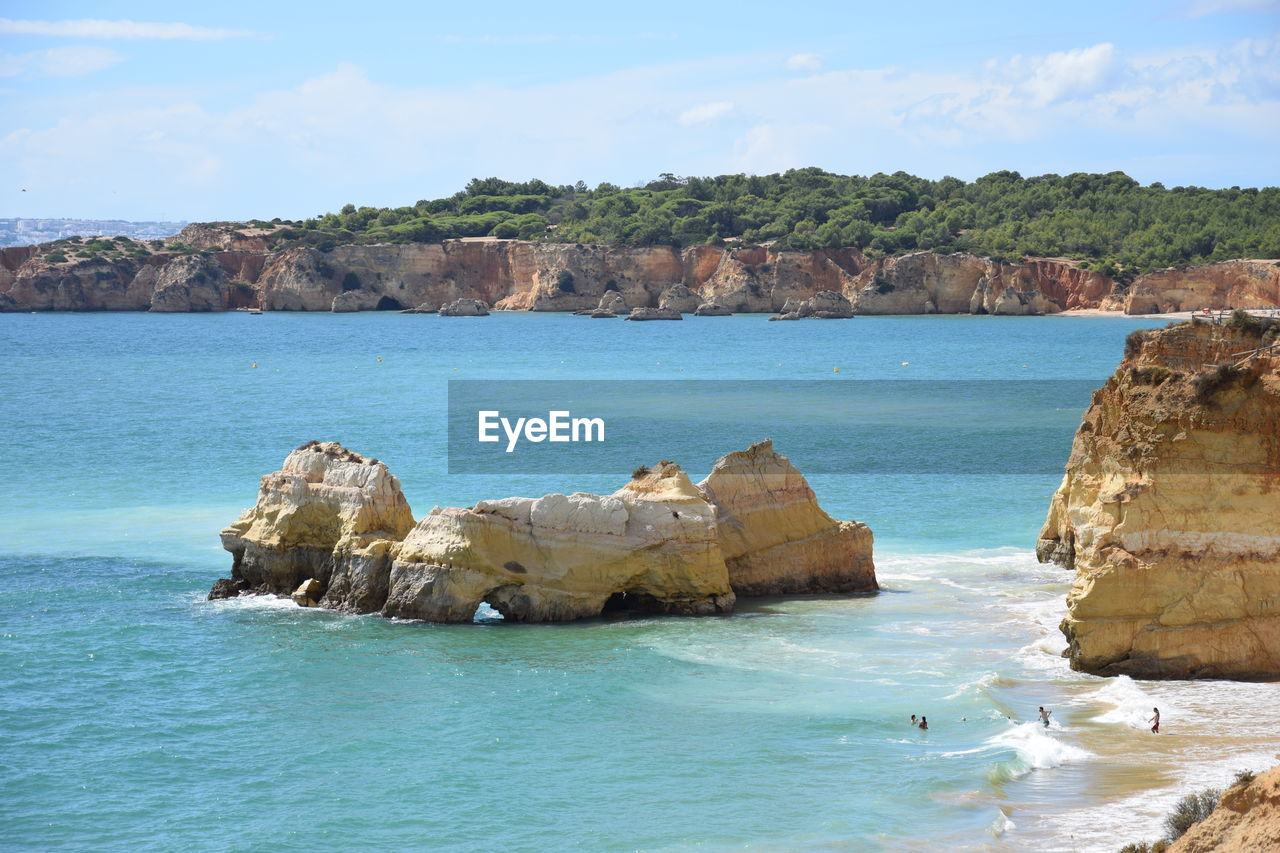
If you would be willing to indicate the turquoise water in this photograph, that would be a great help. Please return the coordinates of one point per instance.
(136, 716)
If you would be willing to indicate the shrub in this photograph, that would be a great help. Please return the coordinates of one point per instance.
(1133, 342)
(1210, 382)
(1190, 810)
(1244, 777)
(642, 471)
(242, 286)
(57, 256)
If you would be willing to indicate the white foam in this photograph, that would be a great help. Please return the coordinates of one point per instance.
(1131, 706)
(1037, 750)
(257, 602)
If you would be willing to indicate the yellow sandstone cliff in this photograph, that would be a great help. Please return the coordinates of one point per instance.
(1247, 820)
(1170, 509)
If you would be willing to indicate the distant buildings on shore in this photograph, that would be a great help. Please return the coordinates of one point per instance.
(24, 232)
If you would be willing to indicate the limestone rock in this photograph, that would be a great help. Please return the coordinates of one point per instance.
(308, 593)
(654, 314)
(332, 528)
(424, 308)
(679, 298)
(190, 283)
(712, 309)
(352, 301)
(465, 308)
(825, 305)
(612, 301)
(324, 509)
(601, 314)
(1247, 820)
(226, 588)
(775, 538)
(1225, 284)
(1168, 511)
(652, 544)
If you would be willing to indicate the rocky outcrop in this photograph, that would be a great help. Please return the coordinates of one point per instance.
(825, 305)
(1168, 510)
(652, 543)
(190, 283)
(775, 538)
(465, 308)
(326, 515)
(929, 283)
(1227, 284)
(527, 276)
(332, 528)
(680, 299)
(712, 309)
(654, 314)
(1247, 820)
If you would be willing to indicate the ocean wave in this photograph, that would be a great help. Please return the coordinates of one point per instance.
(1034, 750)
(980, 685)
(1131, 705)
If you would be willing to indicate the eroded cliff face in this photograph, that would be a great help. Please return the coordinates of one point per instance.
(523, 276)
(1227, 284)
(332, 528)
(324, 515)
(775, 538)
(1247, 820)
(1170, 510)
(929, 283)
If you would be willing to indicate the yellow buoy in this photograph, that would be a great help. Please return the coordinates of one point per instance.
(835, 370)
(906, 364)
(255, 364)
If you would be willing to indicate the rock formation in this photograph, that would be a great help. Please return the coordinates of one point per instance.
(1169, 509)
(712, 309)
(465, 308)
(1226, 284)
(1247, 820)
(333, 529)
(654, 314)
(322, 517)
(190, 283)
(653, 542)
(776, 539)
(824, 305)
(529, 276)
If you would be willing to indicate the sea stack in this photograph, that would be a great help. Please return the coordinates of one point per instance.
(1170, 509)
(332, 528)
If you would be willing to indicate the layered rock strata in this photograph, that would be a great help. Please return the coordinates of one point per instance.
(1170, 509)
(517, 275)
(824, 305)
(332, 528)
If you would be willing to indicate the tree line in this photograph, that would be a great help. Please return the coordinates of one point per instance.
(1107, 222)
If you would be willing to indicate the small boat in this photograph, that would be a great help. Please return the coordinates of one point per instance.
(255, 310)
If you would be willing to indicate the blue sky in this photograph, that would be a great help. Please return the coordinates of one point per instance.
(236, 110)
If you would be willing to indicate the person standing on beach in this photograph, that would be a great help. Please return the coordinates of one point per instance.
(1155, 721)
(1044, 716)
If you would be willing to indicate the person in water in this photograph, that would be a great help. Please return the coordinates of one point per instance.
(1044, 716)
(924, 723)
(914, 721)
(1155, 722)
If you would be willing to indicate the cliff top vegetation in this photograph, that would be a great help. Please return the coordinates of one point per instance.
(1108, 222)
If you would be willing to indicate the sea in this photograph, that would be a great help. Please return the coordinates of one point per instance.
(137, 716)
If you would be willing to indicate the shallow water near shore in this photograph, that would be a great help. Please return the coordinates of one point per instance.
(135, 715)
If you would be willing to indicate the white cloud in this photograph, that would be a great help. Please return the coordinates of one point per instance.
(58, 62)
(703, 113)
(1202, 8)
(99, 29)
(1061, 76)
(342, 136)
(810, 62)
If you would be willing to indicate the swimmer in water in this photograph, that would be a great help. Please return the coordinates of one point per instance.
(1155, 721)
(924, 723)
(1044, 716)
(914, 722)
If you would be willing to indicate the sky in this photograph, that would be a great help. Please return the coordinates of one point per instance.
(237, 110)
